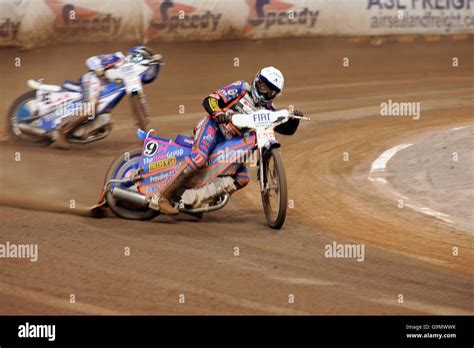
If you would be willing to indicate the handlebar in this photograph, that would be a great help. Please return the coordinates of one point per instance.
(155, 59)
(263, 119)
(301, 117)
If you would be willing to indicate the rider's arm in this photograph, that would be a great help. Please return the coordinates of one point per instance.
(213, 104)
(91, 83)
(290, 126)
(99, 64)
(91, 90)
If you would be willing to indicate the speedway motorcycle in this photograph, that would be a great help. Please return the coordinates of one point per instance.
(134, 177)
(34, 115)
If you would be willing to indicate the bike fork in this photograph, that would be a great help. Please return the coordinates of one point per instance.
(144, 105)
(260, 167)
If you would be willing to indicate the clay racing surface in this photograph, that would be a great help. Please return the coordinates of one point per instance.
(407, 252)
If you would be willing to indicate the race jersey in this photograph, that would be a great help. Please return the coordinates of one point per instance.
(237, 97)
(231, 94)
(90, 82)
(104, 61)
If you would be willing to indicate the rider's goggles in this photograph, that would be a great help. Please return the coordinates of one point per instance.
(266, 89)
(135, 58)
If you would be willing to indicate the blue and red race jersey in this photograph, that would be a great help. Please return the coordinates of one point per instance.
(104, 61)
(235, 90)
(227, 96)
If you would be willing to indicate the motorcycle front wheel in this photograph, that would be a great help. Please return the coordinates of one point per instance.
(275, 193)
(139, 112)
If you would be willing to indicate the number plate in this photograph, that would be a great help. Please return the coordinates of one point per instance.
(264, 136)
(132, 81)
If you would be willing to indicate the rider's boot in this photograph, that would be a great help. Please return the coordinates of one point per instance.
(162, 201)
(60, 140)
(60, 133)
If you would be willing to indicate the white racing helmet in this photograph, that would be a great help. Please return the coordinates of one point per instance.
(267, 84)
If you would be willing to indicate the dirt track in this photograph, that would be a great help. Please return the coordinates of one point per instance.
(406, 252)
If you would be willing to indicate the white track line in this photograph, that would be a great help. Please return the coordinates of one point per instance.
(458, 128)
(379, 180)
(430, 212)
(379, 166)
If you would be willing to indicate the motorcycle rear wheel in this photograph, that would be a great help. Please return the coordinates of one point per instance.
(119, 167)
(12, 121)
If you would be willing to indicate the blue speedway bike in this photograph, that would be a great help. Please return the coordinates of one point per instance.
(136, 175)
(34, 115)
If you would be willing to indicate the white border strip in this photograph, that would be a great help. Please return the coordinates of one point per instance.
(458, 128)
(380, 165)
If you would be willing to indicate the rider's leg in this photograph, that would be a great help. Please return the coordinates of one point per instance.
(198, 197)
(91, 86)
(205, 141)
(163, 201)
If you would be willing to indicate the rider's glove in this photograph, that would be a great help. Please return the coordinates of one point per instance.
(223, 117)
(298, 113)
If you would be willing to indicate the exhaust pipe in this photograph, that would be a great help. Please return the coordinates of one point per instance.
(130, 197)
(207, 209)
(26, 128)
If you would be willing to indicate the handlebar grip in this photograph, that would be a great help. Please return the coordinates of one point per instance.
(301, 117)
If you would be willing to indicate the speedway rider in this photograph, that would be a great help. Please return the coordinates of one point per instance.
(217, 127)
(92, 84)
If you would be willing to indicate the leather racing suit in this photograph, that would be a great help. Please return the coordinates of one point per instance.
(210, 132)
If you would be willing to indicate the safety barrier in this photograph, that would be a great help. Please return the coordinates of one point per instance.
(38, 22)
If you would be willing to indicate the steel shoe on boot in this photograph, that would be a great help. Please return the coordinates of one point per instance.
(166, 207)
(60, 141)
(65, 128)
(163, 205)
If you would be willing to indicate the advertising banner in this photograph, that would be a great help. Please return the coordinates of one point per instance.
(29, 23)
